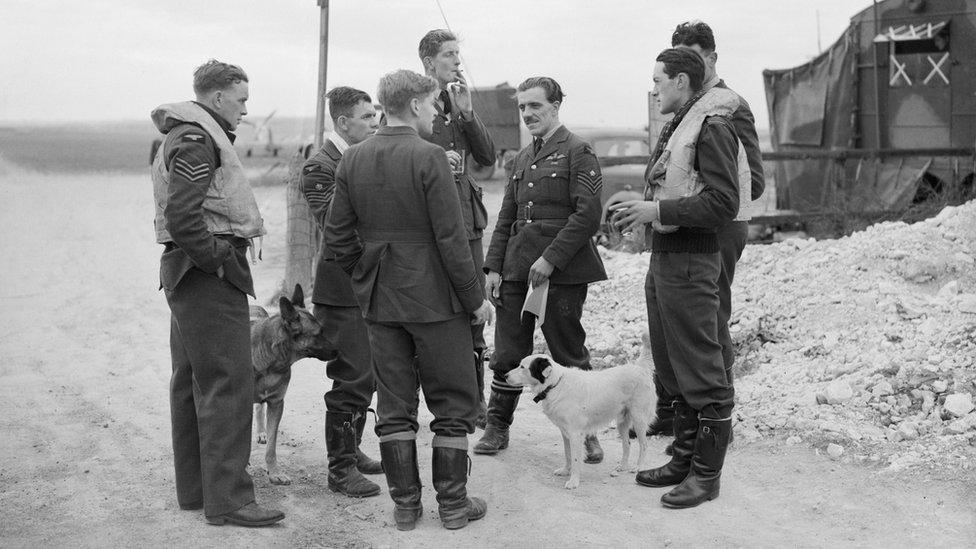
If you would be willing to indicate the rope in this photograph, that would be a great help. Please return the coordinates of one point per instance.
(467, 68)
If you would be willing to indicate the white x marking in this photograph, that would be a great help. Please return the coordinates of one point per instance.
(899, 70)
(937, 69)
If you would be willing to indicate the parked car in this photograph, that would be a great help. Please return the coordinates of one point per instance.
(623, 155)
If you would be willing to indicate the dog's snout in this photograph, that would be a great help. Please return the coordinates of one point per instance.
(323, 349)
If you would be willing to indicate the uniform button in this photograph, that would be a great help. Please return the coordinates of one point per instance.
(528, 221)
(533, 166)
(452, 145)
(447, 122)
(529, 203)
(554, 174)
(318, 186)
(531, 185)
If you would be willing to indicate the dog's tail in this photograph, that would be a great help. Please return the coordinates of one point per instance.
(257, 313)
(645, 360)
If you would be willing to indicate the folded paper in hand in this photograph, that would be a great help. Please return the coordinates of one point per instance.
(535, 301)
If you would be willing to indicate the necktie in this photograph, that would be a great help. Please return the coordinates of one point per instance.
(536, 146)
(446, 99)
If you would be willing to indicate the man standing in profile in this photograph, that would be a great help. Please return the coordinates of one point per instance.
(549, 213)
(694, 179)
(353, 119)
(698, 37)
(206, 216)
(459, 130)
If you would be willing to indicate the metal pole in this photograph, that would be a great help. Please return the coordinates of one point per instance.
(323, 67)
(877, 82)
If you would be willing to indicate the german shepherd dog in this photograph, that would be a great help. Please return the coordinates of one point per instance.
(277, 342)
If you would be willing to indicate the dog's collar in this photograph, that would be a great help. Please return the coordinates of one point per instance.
(545, 392)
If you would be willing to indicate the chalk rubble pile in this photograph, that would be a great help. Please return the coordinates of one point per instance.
(865, 345)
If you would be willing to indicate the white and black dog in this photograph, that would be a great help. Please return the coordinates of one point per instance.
(581, 402)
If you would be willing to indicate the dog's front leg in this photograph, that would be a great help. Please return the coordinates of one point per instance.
(275, 409)
(259, 423)
(568, 451)
(576, 450)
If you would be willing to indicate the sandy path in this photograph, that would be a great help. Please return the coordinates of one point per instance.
(86, 458)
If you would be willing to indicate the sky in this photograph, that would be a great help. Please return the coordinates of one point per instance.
(117, 59)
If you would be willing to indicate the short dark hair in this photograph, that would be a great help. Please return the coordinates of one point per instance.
(554, 92)
(398, 88)
(343, 99)
(681, 60)
(215, 75)
(430, 44)
(691, 33)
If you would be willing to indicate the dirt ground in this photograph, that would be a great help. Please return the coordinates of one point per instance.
(87, 457)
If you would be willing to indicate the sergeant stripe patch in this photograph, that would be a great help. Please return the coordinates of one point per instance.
(592, 180)
(189, 171)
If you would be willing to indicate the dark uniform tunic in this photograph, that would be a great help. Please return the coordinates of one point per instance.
(396, 227)
(213, 383)
(681, 288)
(335, 308)
(733, 236)
(551, 209)
(453, 133)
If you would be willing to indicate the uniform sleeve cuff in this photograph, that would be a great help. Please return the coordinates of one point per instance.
(548, 256)
(668, 212)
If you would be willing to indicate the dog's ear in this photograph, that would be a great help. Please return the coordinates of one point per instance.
(298, 297)
(287, 310)
(539, 368)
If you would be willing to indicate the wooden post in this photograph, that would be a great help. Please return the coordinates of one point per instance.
(302, 239)
(323, 69)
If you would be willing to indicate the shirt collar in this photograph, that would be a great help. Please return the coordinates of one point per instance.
(552, 132)
(338, 141)
(711, 83)
(396, 130)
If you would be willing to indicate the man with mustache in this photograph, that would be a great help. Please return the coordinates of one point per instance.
(551, 209)
(459, 131)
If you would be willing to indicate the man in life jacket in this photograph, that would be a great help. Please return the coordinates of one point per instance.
(694, 182)
(698, 37)
(206, 218)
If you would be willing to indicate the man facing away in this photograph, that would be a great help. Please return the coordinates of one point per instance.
(459, 130)
(396, 227)
(206, 216)
(549, 213)
(353, 119)
(698, 37)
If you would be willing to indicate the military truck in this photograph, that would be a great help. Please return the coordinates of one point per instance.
(498, 109)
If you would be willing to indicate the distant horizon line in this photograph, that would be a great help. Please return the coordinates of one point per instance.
(48, 123)
(84, 121)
